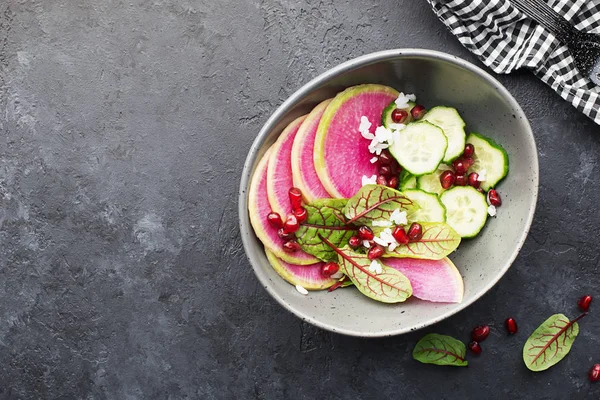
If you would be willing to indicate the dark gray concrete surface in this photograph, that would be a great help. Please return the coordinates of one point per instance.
(124, 126)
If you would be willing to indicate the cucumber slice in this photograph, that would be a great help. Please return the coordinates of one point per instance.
(420, 147)
(453, 126)
(432, 209)
(466, 210)
(431, 182)
(489, 156)
(409, 183)
(386, 115)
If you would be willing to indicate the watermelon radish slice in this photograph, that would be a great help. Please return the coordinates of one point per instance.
(303, 166)
(437, 281)
(341, 154)
(307, 276)
(259, 208)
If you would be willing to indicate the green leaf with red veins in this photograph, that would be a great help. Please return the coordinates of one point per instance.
(376, 202)
(325, 218)
(440, 350)
(388, 286)
(438, 240)
(550, 342)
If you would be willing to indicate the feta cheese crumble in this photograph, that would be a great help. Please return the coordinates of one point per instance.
(366, 244)
(337, 275)
(382, 223)
(403, 99)
(492, 210)
(386, 239)
(375, 267)
(373, 160)
(482, 175)
(301, 290)
(399, 217)
(369, 181)
(364, 127)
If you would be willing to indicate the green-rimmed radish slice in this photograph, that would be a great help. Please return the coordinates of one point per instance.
(420, 147)
(432, 209)
(307, 276)
(453, 126)
(386, 116)
(431, 182)
(489, 156)
(409, 183)
(466, 210)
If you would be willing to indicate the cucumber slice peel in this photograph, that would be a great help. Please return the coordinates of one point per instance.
(466, 210)
(432, 209)
(490, 156)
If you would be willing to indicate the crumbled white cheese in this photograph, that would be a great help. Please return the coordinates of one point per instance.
(380, 241)
(301, 290)
(399, 217)
(375, 267)
(386, 239)
(403, 99)
(492, 210)
(382, 223)
(365, 124)
(376, 146)
(366, 244)
(337, 275)
(392, 246)
(383, 134)
(482, 175)
(369, 181)
(373, 160)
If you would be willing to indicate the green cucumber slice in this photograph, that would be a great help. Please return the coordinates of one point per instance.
(432, 209)
(431, 182)
(420, 147)
(386, 115)
(490, 156)
(409, 183)
(453, 126)
(466, 210)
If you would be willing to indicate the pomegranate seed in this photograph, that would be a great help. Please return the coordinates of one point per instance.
(381, 180)
(385, 158)
(447, 179)
(480, 333)
(475, 347)
(584, 303)
(459, 166)
(494, 198)
(365, 233)
(393, 182)
(291, 224)
(418, 111)
(385, 170)
(375, 252)
(468, 162)
(295, 197)
(355, 242)
(283, 235)
(469, 151)
(400, 235)
(301, 214)
(396, 168)
(291, 246)
(473, 176)
(329, 269)
(594, 373)
(460, 180)
(399, 116)
(415, 232)
(511, 326)
(480, 190)
(275, 220)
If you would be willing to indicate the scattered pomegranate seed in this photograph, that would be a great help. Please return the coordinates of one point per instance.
(375, 252)
(460, 180)
(475, 347)
(480, 190)
(295, 197)
(385, 170)
(396, 169)
(415, 232)
(291, 246)
(447, 179)
(355, 242)
(365, 233)
(329, 269)
(494, 198)
(584, 302)
(511, 326)
(381, 180)
(285, 235)
(393, 182)
(480, 333)
(400, 235)
(385, 158)
(399, 116)
(459, 166)
(301, 214)
(594, 373)
(291, 224)
(469, 150)
(418, 111)
(473, 176)
(467, 161)
(275, 220)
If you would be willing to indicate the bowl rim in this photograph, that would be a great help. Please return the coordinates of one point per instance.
(244, 221)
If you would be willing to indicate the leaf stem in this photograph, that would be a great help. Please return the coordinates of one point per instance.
(555, 337)
(374, 206)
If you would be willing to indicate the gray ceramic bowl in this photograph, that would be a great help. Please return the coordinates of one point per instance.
(487, 107)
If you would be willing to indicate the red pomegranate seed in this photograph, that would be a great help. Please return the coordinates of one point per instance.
(329, 269)
(385, 170)
(291, 246)
(385, 158)
(393, 182)
(460, 180)
(469, 151)
(594, 373)
(468, 162)
(473, 176)
(291, 224)
(375, 252)
(475, 347)
(459, 166)
(275, 220)
(301, 214)
(283, 235)
(584, 303)
(447, 179)
(399, 116)
(415, 232)
(400, 235)
(355, 242)
(480, 333)
(511, 326)
(295, 197)
(418, 111)
(365, 233)
(396, 168)
(480, 190)
(494, 198)
(381, 180)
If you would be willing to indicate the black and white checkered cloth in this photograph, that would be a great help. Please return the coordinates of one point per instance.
(505, 40)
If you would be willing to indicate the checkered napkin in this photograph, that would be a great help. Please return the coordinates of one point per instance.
(505, 40)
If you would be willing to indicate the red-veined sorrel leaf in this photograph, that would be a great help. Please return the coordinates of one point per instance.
(388, 286)
(325, 218)
(438, 240)
(550, 342)
(342, 283)
(440, 350)
(376, 202)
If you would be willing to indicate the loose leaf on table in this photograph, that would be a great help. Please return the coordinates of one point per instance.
(325, 218)
(376, 202)
(550, 342)
(389, 286)
(438, 240)
(440, 350)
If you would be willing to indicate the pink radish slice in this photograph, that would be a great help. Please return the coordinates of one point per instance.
(307, 276)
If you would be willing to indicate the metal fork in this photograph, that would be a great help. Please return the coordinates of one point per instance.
(584, 47)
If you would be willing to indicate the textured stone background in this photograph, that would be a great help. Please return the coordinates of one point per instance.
(124, 126)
